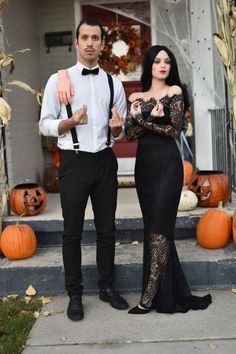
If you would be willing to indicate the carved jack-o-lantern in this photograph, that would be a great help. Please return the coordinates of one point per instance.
(27, 199)
(211, 187)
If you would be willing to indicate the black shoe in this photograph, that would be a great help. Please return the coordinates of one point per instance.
(138, 311)
(115, 300)
(75, 310)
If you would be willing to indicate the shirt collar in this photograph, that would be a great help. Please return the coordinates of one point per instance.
(80, 67)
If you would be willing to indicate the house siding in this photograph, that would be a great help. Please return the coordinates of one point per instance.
(55, 16)
(24, 153)
(25, 23)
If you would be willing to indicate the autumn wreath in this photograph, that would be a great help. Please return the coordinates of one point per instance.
(125, 63)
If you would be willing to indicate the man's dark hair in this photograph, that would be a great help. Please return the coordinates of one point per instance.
(90, 22)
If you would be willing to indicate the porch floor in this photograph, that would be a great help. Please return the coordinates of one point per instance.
(127, 207)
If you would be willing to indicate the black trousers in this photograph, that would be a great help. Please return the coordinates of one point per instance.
(82, 175)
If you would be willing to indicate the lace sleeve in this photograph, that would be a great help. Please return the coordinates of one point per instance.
(176, 113)
(132, 128)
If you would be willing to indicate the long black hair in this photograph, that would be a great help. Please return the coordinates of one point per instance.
(172, 79)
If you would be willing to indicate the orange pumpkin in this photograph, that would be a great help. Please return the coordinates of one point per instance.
(214, 228)
(188, 171)
(234, 227)
(18, 241)
(27, 199)
(0, 246)
(211, 187)
(56, 157)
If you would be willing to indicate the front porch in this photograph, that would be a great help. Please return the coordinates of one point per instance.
(203, 268)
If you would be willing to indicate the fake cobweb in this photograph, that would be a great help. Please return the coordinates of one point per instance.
(171, 25)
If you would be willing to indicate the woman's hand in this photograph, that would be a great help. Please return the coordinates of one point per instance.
(65, 89)
(135, 108)
(158, 111)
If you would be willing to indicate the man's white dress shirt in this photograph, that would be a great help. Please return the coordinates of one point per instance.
(91, 90)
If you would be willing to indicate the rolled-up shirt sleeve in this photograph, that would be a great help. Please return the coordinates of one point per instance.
(50, 112)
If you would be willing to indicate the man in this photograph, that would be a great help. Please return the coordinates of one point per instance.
(88, 165)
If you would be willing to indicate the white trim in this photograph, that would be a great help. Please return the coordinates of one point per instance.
(77, 12)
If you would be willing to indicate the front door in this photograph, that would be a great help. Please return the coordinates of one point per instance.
(134, 37)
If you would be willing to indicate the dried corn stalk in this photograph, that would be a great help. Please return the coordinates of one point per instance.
(3, 188)
(225, 41)
(6, 60)
(3, 4)
(27, 88)
(5, 111)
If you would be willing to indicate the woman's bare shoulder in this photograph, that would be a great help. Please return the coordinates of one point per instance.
(135, 95)
(174, 90)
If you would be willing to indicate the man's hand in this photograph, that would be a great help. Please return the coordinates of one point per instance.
(65, 89)
(116, 122)
(79, 117)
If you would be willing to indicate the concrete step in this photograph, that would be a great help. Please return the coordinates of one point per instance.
(49, 232)
(49, 224)
(203, 268)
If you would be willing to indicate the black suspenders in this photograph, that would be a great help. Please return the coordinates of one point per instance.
(110, 81)
(73, 130)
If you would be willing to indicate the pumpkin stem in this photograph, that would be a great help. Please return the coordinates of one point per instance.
(18, 219)
(220, 205)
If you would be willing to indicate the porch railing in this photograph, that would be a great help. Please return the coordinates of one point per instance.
(223, 144)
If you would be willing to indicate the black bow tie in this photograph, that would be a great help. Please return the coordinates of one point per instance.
(87, 71)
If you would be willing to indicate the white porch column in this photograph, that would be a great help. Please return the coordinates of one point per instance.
(77, 12)
(153, 5)
(203, 80)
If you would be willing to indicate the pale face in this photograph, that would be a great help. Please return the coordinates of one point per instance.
(161, 66)
(89, 45)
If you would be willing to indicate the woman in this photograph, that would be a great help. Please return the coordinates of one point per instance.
(155, 117)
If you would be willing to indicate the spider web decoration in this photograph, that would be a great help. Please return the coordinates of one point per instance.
(173, 29)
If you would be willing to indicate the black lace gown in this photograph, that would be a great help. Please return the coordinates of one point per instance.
(159, 181)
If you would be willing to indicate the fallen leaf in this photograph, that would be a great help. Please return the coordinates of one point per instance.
(212, 346)
(12, 296)
(30, 291)
(48, 313)
(27, 299)
(234, 290)
(45, 300)
(117, 243)
(36, 314)
(135, 243)
(194, 244)
(63, 339)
